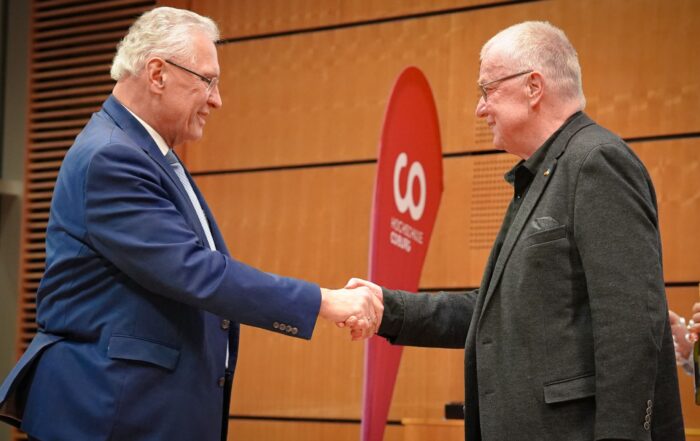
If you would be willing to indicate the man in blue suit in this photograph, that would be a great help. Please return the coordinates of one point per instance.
(140, 305)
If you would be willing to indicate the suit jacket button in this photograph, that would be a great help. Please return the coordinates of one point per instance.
(646, 425)
(221, 382)
(648, 403)
(295, 331)
(276, 325)
(647, 418)
(225, 324)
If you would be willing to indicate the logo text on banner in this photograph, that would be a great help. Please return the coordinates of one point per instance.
(407, 194)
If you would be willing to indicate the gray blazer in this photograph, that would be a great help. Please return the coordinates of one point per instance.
(567, 337)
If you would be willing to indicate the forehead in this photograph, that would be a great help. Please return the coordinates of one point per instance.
(491, 66)
(205, 53)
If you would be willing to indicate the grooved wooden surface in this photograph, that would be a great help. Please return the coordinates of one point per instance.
(320, 97)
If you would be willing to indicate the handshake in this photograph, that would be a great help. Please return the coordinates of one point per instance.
(359, 306)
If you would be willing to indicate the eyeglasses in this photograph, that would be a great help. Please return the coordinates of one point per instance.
(484, 90)
(210, 82)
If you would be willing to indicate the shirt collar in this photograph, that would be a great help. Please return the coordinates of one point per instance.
(532, 165)
(160, 142)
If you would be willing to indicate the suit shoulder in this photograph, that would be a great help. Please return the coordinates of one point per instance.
(101, 136)
(594, 140)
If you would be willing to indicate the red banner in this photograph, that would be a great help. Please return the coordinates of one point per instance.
(407, 194)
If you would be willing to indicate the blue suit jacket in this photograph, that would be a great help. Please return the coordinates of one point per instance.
(134, 308)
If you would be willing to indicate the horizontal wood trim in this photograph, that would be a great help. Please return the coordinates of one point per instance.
(251, 430)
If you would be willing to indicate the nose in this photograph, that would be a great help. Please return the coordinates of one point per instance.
(214, 99)
(480, 110)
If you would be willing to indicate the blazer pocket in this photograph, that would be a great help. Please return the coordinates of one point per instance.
(571, 389)
(545, 236)
(137, 349)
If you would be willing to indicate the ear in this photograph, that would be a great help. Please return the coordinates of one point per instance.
(535, 88)
(155, 74)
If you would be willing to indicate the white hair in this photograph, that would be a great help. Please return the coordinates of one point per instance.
(165, 32)
(540, 46)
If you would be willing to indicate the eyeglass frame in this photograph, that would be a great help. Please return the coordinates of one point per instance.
(210, 82)
(482, 86)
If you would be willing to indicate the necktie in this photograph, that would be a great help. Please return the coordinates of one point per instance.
(180, 172)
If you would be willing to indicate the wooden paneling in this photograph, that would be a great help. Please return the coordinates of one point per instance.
(312, 224)
(320, 97)
(674, 167)
(250, 17)
(321, 215)
(247, 430)
(432, 429)
(681, 301)
(278, 376)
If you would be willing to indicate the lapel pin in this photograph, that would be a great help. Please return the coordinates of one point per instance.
(547, 172)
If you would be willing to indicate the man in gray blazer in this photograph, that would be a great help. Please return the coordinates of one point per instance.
(567, 337)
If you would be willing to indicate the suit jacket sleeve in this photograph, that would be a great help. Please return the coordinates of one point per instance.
(424, 319)
(132, 221)
(616, 233)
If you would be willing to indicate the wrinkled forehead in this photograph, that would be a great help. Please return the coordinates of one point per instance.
(205, 54)
(492, 66)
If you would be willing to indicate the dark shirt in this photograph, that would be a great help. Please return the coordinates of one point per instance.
(520, 177)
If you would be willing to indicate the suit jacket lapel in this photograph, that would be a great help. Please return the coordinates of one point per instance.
(213, 227)
(537, 188)
(143, 139)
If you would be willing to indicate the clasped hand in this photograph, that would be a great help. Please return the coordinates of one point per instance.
(358, 306)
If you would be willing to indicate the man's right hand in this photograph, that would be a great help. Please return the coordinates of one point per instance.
(356, 307)
(378, 295)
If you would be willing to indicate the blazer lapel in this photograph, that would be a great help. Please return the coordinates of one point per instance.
(143, 139)
(537, 188)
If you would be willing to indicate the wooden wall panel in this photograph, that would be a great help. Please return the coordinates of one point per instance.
(250, 430)
(249, 17)
(322, 216)
(422, 430)
(674, 167)
(278, 376)
(288, 377)
(308, 223)
(320, 97)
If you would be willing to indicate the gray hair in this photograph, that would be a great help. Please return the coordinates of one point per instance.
(165, 32)
(540, 46)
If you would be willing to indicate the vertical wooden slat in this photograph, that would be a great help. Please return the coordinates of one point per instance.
(73, 43)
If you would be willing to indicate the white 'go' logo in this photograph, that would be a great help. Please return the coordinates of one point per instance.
(406, 201)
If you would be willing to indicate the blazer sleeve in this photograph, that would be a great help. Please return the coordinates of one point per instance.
(132, 221)
(438, 320)
(616, 232)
